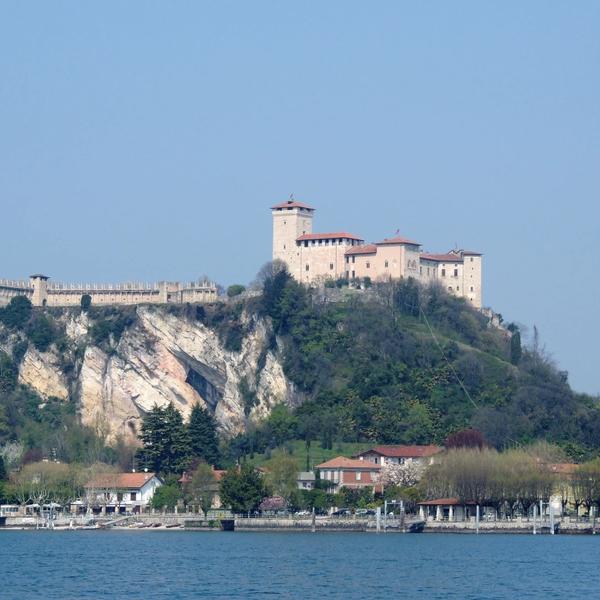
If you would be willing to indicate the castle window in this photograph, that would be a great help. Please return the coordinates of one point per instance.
(443, 272)
(427, 270)
(471, 288)
(449, 288)
(347, 274)
(457, 288)
(353, 274)
(354, 259)
(368, 265)
(306, 243)
(455, 272)
(386, 264)
(471, 259)
(347, 259)
(331, 266)
(306, 268)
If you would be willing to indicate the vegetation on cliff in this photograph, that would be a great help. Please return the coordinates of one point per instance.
(389, 363)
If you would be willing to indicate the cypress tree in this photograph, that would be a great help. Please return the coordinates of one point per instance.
(203, 435)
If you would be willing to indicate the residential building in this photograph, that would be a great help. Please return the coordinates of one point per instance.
(421, 456)
(306, 480)
(347, 472)
(120, 492)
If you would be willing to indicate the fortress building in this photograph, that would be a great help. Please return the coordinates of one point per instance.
(42, 292)
(314, 257)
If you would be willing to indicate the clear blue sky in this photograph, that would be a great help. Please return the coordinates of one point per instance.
(146, 140)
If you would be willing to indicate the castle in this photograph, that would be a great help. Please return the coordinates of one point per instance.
(42, 292)
(315, 257)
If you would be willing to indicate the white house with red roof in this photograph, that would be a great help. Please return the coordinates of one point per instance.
(421, 456)
(120, 492)
(347, 472)
(316, 257)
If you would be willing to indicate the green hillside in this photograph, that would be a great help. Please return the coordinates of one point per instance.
(400, 363)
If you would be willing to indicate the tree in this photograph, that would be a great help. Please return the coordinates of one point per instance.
(515, 347)
(466, 438)
(404, 475)
(41, 332)
(202, 435)
(2, 469)
(17, 313)
(165, 439)
(282, 473)
(8, 374)
(86, 302)
(203, 487)
(235, 290)
(166, 497)
(242, 489)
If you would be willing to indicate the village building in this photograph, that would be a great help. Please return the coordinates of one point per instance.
(313, 258)
(305, 480)
(420, 456)
(218, 474)
(120, 493)
(342, 472)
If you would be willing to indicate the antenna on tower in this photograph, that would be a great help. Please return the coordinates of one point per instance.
(292, 196)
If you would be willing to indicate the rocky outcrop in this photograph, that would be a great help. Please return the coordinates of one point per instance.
(164, 358)
(42, 372)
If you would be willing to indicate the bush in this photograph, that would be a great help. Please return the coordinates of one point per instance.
(86, 302)
(235, 290)
(330, 283)
(41, 333)
(17, 313)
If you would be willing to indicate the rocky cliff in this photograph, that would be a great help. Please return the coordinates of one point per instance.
(160, 358)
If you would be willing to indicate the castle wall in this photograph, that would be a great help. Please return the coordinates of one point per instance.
(42, 293)
(322, 259)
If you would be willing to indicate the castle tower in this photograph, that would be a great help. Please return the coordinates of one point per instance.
(39, 283)
(291, 219)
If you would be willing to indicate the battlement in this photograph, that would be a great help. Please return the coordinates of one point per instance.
(47, 293)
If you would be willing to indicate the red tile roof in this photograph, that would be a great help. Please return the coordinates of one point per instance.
(362, 249)
(404, 451)
(341, 462)
(292, 204)
(396, 241)
(450, 257)
(120, 480)
(328, 236)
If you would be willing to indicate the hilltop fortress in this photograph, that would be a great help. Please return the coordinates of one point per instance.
(316, 257)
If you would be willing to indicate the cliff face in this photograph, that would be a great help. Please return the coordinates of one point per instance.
(161, 358)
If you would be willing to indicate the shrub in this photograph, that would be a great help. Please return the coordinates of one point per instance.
(235, 290)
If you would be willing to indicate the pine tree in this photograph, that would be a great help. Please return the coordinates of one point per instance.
(166, 446)
(203, 436)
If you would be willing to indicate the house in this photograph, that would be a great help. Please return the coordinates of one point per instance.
(347, 472)
(120, 492)
(186, 479)
(305, 480)
(421, 456)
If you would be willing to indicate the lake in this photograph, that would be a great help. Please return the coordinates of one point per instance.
(185, 565)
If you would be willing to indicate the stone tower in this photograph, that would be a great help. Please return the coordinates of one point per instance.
(291, 219)
(39, 283)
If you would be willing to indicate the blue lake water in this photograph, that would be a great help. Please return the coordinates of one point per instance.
(186, 565)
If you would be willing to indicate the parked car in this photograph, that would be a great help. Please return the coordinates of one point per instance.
(341, 512)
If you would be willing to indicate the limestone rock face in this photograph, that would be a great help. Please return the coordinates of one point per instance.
(163, 358)
(42, 372)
